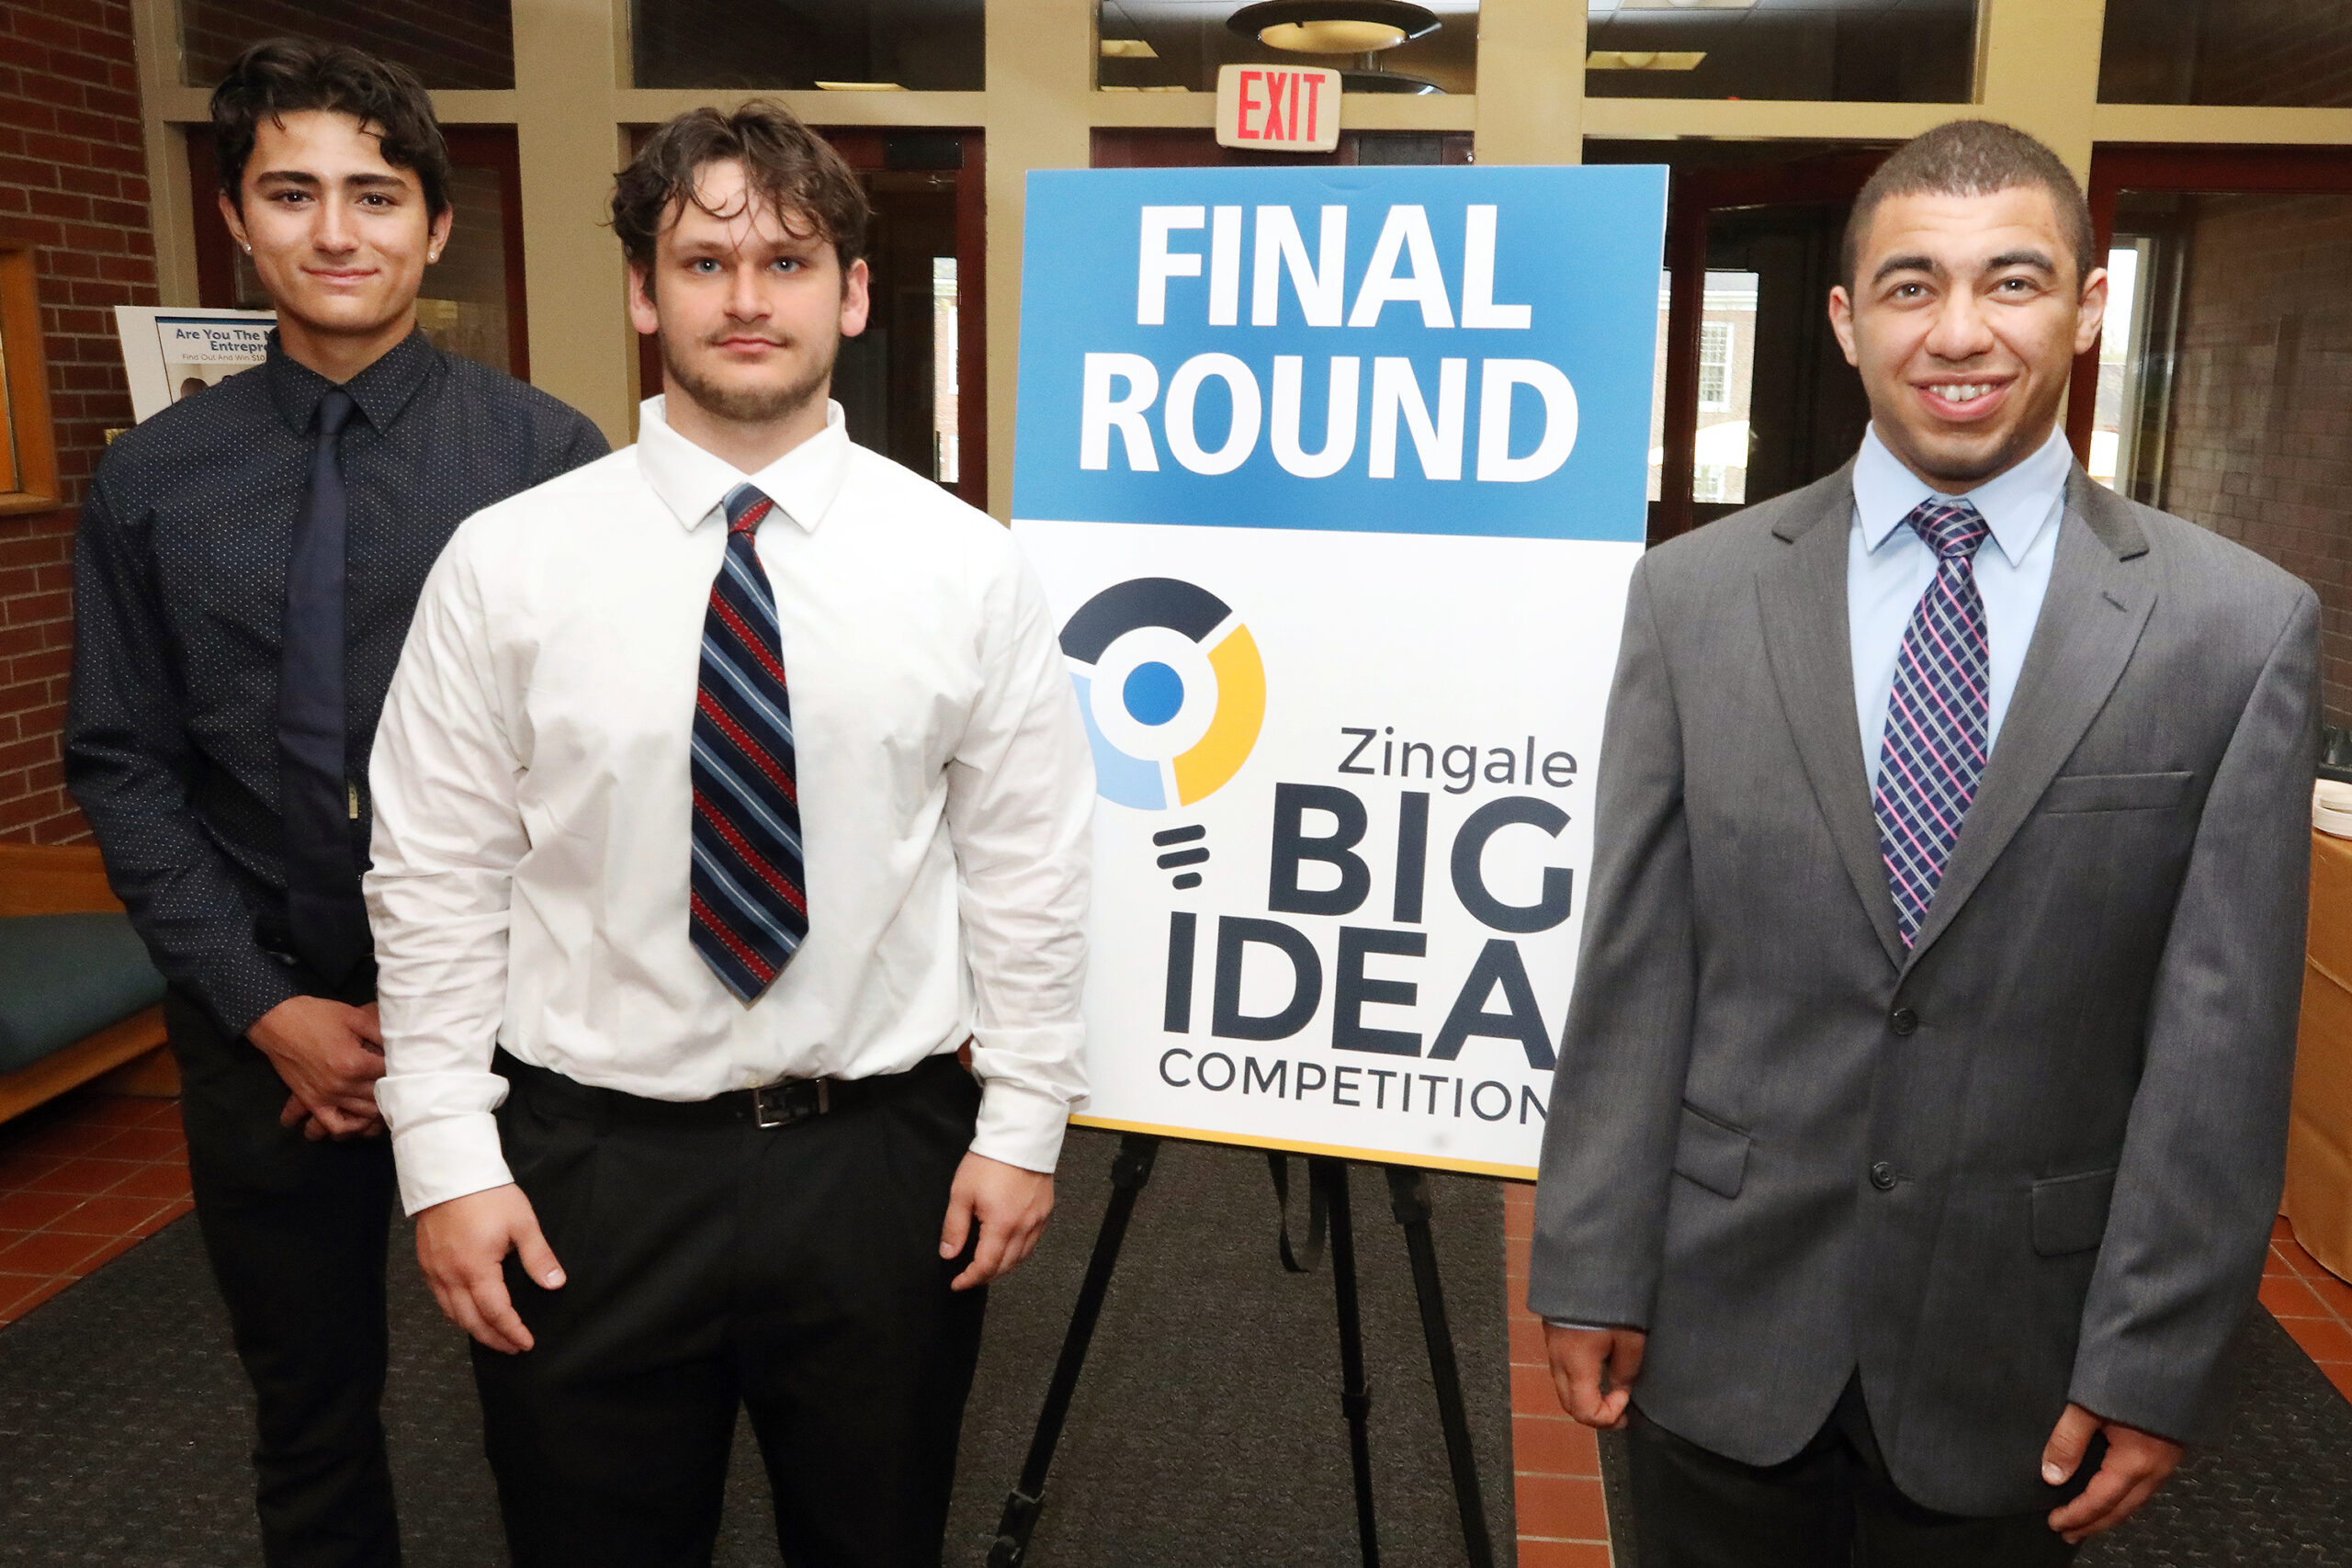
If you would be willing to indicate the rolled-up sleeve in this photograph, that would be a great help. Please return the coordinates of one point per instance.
(1020, 813)
(448, 834)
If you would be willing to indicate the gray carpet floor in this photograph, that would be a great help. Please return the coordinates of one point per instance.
(1206, 1431)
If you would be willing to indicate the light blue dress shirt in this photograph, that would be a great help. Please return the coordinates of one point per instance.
(1889, 567)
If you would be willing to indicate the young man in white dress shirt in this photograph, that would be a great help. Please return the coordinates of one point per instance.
(727, 789)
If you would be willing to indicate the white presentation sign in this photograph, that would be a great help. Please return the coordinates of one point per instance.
(1335, 477)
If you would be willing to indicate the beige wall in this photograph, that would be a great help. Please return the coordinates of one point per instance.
(2038, 67)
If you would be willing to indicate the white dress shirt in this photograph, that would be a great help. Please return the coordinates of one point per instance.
(1889, 567)
(533, 803)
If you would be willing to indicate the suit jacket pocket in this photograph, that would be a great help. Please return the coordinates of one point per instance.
(2070, 1212)
(2116, 792)
(1713, 1153)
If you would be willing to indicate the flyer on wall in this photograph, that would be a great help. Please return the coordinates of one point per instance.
(1336, 478)
(170, 354)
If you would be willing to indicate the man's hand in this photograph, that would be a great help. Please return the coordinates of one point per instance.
(1011, 1205)
(2137, 1463)
(330, 1057)
(1593, 1371)
(462, 1246)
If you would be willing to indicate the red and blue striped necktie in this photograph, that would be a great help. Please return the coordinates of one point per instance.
(749, 887)
(1937, 735)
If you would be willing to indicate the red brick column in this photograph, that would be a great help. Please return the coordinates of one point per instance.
(73, 180)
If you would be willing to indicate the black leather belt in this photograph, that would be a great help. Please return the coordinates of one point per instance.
(769, 1105)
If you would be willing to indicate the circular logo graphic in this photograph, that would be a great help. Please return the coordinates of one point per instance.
(1172, 687)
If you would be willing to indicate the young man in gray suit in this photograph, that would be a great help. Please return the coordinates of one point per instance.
(1918, 1127)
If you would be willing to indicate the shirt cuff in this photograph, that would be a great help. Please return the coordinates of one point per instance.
(448, 1157)
(1020, 1126)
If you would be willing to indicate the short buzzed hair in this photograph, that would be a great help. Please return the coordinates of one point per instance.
(1974, 157)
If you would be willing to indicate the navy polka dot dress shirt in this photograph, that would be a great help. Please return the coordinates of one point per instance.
(180, 594)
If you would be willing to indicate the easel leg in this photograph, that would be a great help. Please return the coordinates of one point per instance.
(1129, 1174)
(1355, 1395)
(1408, 1194)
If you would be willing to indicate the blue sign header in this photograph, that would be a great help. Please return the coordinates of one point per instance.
(1388, 350)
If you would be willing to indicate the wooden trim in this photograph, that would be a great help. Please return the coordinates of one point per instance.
(54, 879)
(972, 322)
(79, 1063)
(32, 485)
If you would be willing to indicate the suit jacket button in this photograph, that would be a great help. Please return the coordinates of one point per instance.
(1903, 1020)
(1883, 1176)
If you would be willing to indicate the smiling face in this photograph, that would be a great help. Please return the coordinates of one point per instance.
(1964, 318)
(339, 237)
(751, 306)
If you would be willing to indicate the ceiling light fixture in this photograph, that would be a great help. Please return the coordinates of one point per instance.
(1333, 27)
(1128, 49)
(859, 87)
(1645, 59)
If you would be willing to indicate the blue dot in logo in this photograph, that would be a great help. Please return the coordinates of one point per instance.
(1153, 693)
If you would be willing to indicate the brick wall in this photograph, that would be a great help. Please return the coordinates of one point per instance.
(73, 179)
(2260, 442)
(2277, 53)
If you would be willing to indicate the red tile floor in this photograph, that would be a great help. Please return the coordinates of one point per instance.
(2310, 1303)
(83, 1181)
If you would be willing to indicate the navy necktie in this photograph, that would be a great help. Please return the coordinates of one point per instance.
(318, 803)
(750, 903)
(1938, 717)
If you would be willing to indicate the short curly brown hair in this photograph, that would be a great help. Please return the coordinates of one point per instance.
(791, 167)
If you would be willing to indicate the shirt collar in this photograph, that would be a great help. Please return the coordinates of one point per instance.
(691, 483)
(381, 391)
(2014, 505)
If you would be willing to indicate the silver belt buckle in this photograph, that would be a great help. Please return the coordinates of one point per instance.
(771, 1103)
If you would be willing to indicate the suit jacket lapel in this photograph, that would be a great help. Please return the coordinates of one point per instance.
(2101, 588)
(1801, 596)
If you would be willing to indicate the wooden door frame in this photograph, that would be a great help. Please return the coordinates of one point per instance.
(491, 147)
(1693, 193)
(2188, 171)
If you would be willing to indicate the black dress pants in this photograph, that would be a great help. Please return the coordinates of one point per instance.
(791, 1271)
(296, 1233)
(1833, 1506)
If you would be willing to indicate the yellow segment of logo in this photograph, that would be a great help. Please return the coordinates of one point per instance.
(1240, 709)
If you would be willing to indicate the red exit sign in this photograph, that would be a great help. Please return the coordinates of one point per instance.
(1278, 108)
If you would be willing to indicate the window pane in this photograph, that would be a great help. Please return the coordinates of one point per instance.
(449, 43)
(920, 45)
(1726, 376)
(2289, 53)
(1176, 46)
(1842, 50)
(2231, 395)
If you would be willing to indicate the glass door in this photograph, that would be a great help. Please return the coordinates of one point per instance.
(1753, 397)
(2221, 388)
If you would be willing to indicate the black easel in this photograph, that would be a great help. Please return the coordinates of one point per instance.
(1328, 1204)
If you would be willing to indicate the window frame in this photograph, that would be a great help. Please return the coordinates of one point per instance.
(27, 433)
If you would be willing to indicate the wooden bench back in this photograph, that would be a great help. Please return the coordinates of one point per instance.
(53, 879)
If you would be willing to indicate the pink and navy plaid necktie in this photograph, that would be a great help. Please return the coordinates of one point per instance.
(1936, 741)
(750, 898)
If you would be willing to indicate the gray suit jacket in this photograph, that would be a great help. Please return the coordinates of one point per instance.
(2036, 1158)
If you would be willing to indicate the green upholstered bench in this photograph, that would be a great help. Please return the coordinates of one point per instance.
(78, 997)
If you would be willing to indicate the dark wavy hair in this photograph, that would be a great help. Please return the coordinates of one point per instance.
(789, 166)
(1975, 157)
(287, 75)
